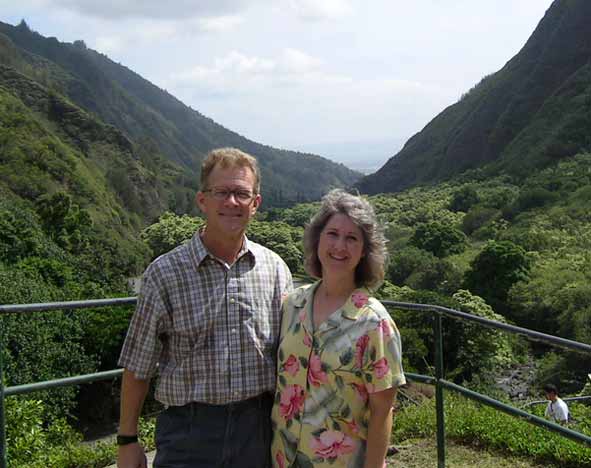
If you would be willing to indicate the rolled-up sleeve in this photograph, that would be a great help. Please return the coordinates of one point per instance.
(143, 344)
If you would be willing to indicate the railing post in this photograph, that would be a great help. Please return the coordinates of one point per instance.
(3, 457)
(437, 332)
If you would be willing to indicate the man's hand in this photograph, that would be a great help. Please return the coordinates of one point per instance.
(131, 456)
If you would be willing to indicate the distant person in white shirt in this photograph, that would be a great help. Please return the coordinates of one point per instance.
(557, 409)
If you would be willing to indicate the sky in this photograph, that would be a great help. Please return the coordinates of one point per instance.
(351, 80)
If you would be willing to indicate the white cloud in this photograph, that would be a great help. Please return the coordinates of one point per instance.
(315, 10)
(220, 23)
(109, 45)
(238, 73)
(155, 9)
(297, 61)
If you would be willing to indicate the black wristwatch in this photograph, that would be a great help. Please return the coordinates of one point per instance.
(126, 439)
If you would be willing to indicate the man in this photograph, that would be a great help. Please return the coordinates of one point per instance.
(208, 315)
(557, 408)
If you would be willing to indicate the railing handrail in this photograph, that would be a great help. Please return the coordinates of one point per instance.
(456, 314)
(438, 380)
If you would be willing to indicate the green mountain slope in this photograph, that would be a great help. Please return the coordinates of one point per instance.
(49, 146)
(143, 112)
(535, 110)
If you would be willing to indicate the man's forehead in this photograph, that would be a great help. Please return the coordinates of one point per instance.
(236, 175)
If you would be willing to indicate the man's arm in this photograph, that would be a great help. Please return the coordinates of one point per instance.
(133, 394)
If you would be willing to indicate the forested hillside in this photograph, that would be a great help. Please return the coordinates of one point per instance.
(151, 117)
(491, 216)
(534, 111)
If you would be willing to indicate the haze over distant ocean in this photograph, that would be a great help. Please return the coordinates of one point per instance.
(363, 156)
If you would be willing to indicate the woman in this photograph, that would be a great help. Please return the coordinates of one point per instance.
(339, 357)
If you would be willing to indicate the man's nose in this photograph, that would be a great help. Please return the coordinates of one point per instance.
(231, 198)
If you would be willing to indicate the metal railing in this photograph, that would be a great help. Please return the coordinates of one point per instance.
(438, 380)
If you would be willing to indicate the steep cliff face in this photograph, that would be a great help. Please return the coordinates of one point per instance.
(532, 111)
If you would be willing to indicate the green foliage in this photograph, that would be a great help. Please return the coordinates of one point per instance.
(535, 197)
(64, 221)
(297, 216)
(20, 235)
(40, 347)
(478, 217)
(282, 238)
(464, 199)
(420, 269)
(470, 349)
(32, 443)
(484, 350)
(471, 423)
(495, 269)
(439, 239)
(169, 232)
(27, 437)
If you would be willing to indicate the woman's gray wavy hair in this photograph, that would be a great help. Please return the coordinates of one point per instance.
(370, 271)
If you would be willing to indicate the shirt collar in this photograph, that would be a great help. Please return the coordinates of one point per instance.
(351, 309)
(200, 252)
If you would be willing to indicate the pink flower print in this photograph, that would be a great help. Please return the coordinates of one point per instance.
(280, 459)
(381, 368)
(316, 375)
(292, 365)
(291, 401)
(359, 299)
(360, 348)
(332, 444)
(386, 328)
(302, 316)
(307, 340)
(361, 391)
(353, 427)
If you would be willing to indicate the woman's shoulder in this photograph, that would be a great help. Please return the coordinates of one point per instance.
(298, 296)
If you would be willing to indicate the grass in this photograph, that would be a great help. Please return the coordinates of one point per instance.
(422, 453)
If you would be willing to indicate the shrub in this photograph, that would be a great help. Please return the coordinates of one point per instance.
(477, 217)
(495, 269)
(471, 423)
(464, 199)
(438, 238)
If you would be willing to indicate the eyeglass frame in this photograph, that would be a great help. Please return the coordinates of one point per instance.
(228, 192)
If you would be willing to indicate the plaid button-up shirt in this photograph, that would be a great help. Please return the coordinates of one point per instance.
(211, 327)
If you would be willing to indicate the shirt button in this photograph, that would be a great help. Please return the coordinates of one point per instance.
(232, 300)
(233, 330)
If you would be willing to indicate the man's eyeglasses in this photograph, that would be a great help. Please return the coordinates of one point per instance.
(240, 195)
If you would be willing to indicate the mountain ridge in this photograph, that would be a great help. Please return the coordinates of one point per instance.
(142, 111)
(487, 127)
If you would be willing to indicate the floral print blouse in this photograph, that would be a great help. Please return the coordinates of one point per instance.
(321, 411)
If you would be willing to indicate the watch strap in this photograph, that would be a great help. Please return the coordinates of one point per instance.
(126, 439)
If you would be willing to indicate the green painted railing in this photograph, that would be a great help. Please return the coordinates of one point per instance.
(438, 380)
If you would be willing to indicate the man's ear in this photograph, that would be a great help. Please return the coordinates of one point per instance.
(200, 201)
(256, 203)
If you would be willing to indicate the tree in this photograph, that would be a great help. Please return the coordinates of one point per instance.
(420, 269)
(464, 199)
(282, 238)
(495, 269)
(64, 221)
(169, 232)
(438, 238)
